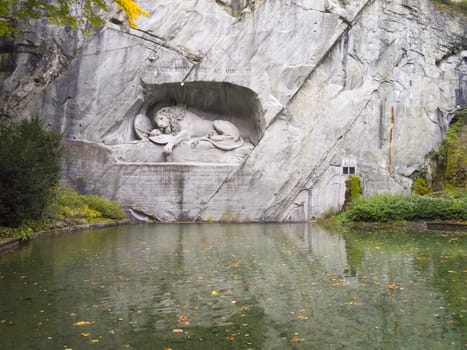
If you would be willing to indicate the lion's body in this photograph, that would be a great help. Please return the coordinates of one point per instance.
(186, 125)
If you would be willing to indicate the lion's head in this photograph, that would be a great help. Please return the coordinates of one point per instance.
(167, 120)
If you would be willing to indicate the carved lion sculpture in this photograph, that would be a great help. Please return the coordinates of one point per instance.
(174, 125)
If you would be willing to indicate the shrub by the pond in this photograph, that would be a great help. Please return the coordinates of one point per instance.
(88, 208)
(420, 186)
(68, 208)
(392, 207)
(353, 190)
(30, 166)
(450, 159)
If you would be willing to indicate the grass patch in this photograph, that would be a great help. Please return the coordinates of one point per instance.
(68, 208)
(85, 209)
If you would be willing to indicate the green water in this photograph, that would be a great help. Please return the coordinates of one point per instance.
(249, 286)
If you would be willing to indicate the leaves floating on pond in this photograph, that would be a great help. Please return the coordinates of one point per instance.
(356, 303)
(183, 320)
(82, 323)
(296, 339)
(394, 286)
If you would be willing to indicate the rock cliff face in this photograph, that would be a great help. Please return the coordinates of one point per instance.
(316, 90)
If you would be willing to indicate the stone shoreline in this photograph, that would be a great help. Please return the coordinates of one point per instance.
(9, 244)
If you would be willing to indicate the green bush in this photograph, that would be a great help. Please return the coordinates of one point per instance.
(67, 209)
(420, 187)
(24, 232)
(353, 190)
(70, 205)
(108, 209)
(30, 167)
(456, 151)
(391, 207)
(451, 157)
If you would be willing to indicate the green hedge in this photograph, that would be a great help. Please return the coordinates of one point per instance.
(391, 207)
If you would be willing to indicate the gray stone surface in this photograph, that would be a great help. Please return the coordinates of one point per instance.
(312, 85)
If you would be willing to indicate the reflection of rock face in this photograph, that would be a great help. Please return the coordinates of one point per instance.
(315, 86)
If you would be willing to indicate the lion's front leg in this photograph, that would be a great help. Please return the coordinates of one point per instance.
(181, 136)
(168, 148)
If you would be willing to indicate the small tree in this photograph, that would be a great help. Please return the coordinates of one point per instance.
(29, 168)
(353, 190)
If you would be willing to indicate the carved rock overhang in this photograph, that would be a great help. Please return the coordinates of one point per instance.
(212, 101)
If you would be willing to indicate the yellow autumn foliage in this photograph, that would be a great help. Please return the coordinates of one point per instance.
(132, 11)
(14, 12)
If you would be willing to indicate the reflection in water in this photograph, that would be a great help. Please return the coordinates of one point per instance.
(249, 286)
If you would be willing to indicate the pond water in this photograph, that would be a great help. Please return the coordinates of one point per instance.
(248, 286)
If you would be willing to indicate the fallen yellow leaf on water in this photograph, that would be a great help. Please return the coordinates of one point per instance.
(84, 334)
(94, 341)
(177, 330)
(215, 293)
(393, 286)
(296, 338)
(183, 320)
(82, 323)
